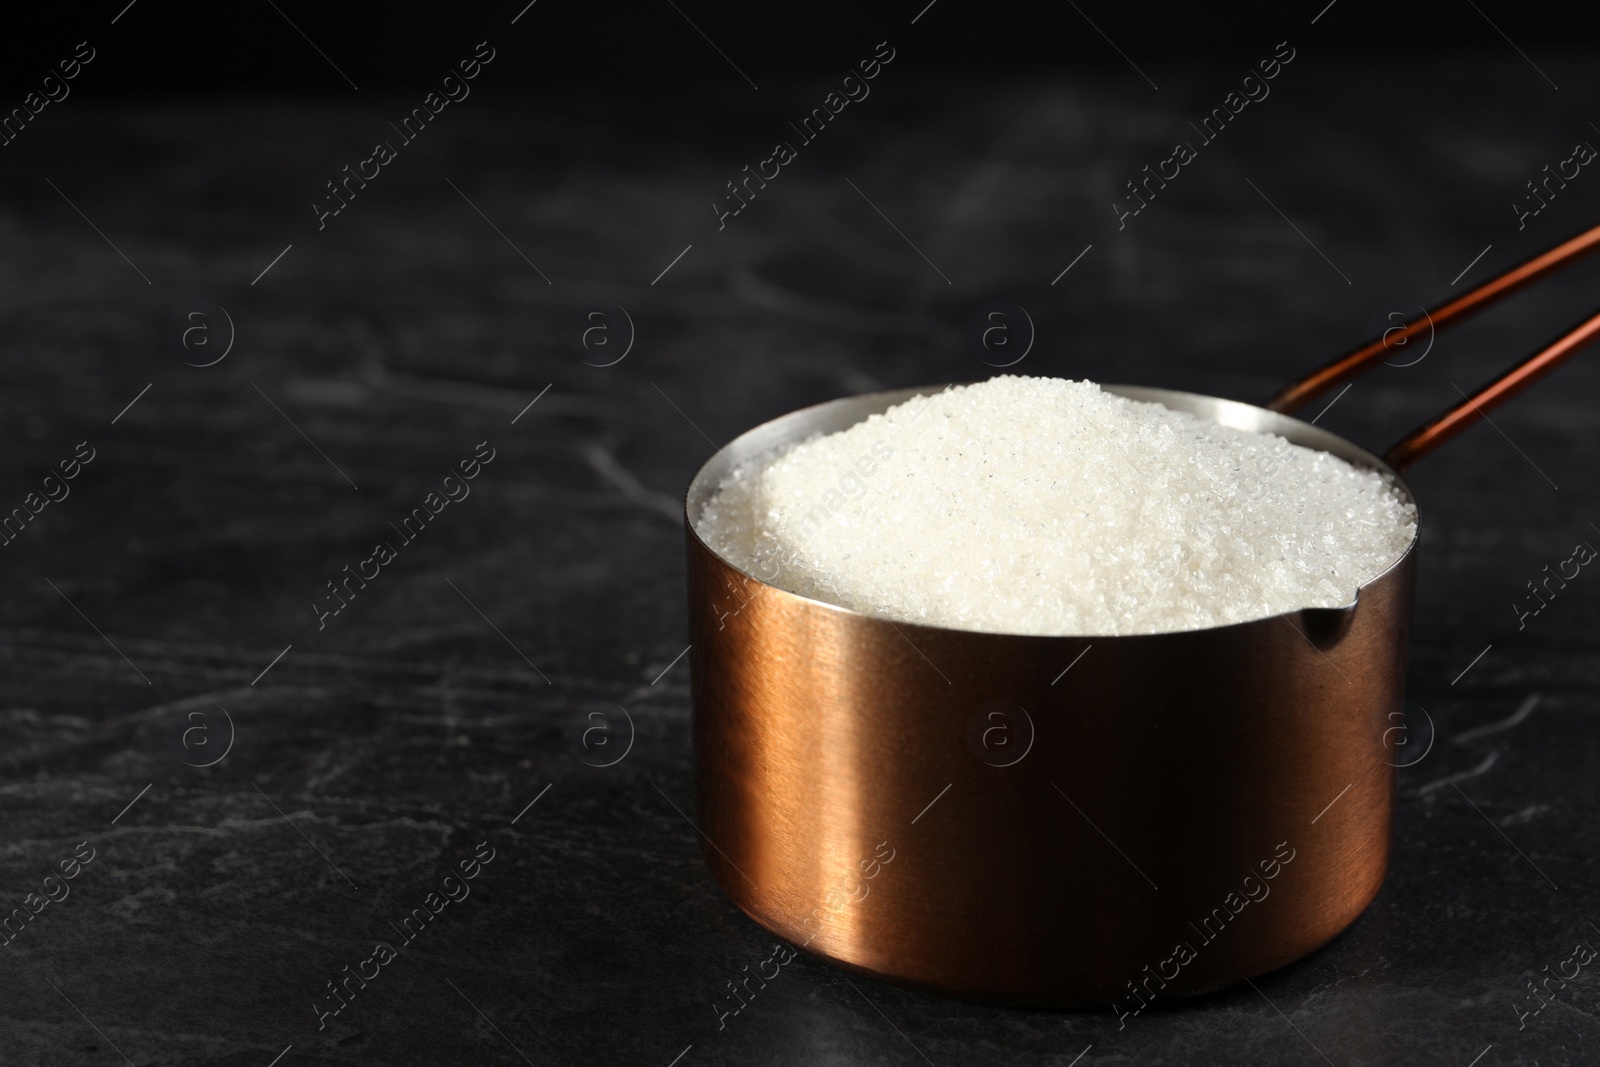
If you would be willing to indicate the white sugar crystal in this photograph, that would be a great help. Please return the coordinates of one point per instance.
(1045, 506)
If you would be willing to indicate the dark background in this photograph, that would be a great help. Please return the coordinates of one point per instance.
(378, 351)
(191, 50)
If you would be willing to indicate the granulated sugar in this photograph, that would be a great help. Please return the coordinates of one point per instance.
(1045, 506)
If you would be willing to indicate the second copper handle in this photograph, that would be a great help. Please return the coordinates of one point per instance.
(1430, 435)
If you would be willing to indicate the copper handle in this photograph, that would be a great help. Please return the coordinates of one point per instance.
(1430, 435)
(1297, 394)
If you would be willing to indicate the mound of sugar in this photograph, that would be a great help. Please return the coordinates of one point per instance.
(1045, 506)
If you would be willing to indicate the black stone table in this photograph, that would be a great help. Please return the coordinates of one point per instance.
(267, 786)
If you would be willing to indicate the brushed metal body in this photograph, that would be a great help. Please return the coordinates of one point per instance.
(1163, 770)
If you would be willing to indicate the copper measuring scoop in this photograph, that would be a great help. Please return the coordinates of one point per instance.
(1165, 814)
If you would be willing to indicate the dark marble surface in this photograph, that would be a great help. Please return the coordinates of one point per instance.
(379, 751)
